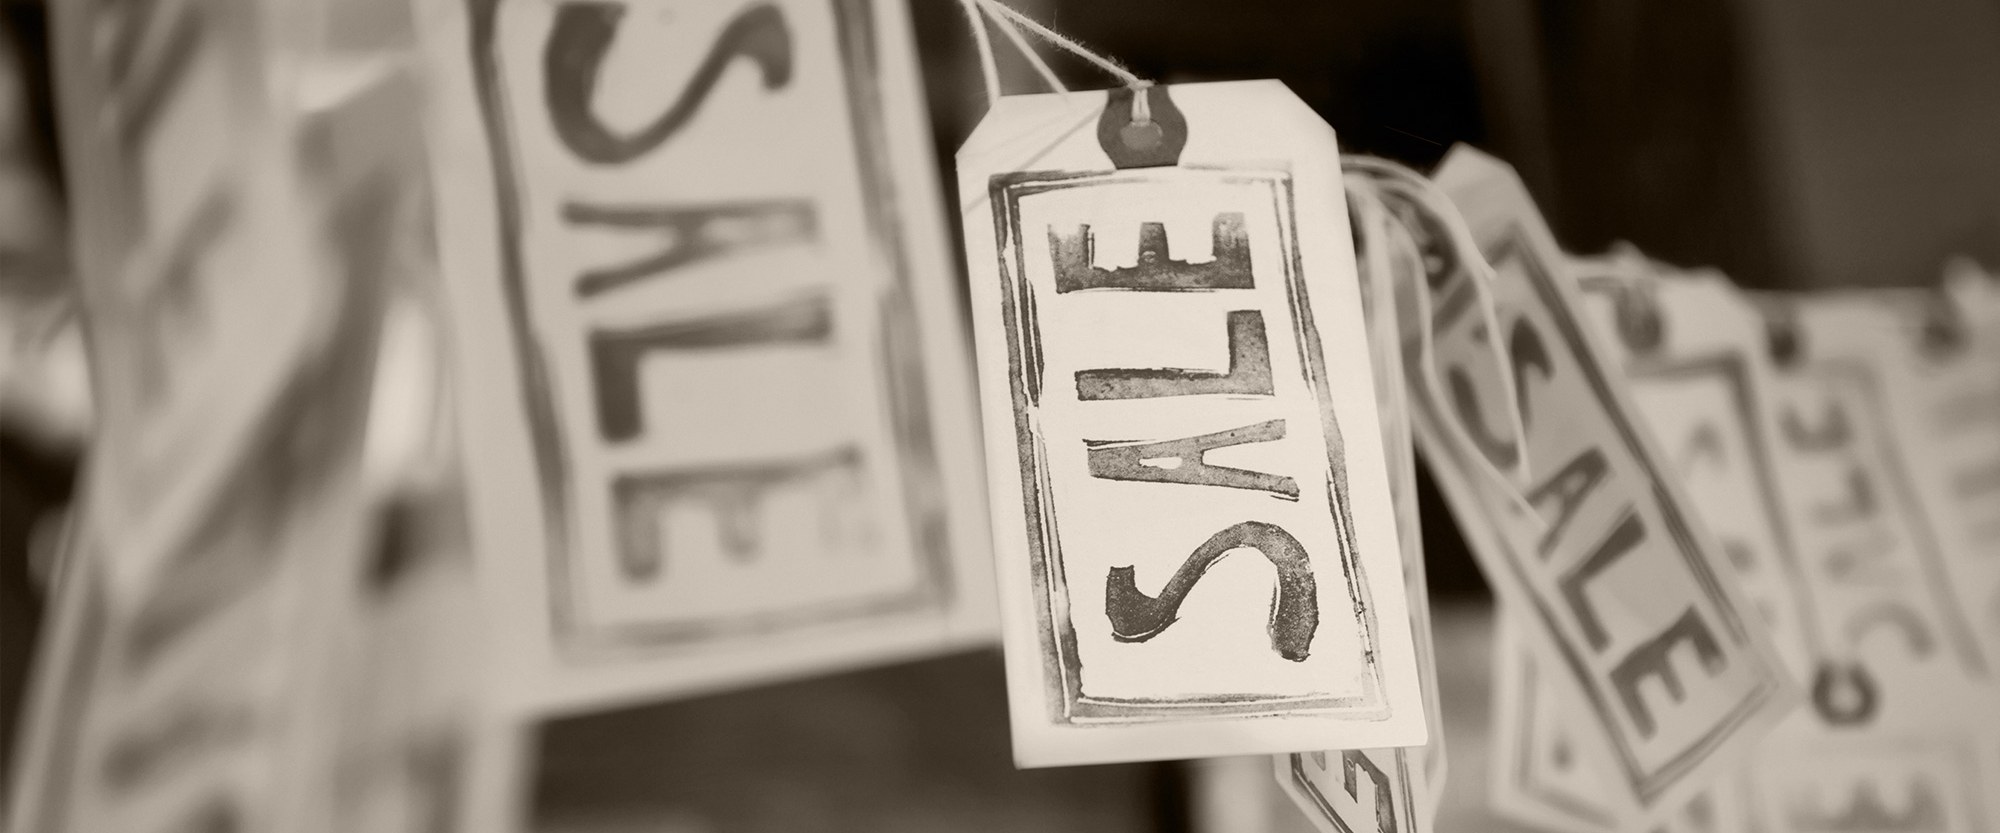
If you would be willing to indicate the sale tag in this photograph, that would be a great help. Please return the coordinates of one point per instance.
(1622, 583)
(1174, 368)
(1692, 352)
(1402, 786)
(196, 280)
(713, 371)
(1937, 356)
(1899, 645)
(194, 695)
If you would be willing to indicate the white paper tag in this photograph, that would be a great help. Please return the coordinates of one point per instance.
(1174, 369)
(720, 399)
(191, 695)
(1692, 354)
(1936, 359)
(198, 289)
(1620, 580)
(1900, 650)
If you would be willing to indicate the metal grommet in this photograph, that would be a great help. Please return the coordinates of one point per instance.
(1782, 339)
(1942, 333)
(1640, 324)
(1844, 694)
(1141, 127)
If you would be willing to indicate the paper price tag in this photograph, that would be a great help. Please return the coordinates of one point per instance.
(191, 700)
(1900, 647)
(721, 401)
(1619, 579)
(1938, 361)
(199, 292)
(1196, 548)
(1693, 355)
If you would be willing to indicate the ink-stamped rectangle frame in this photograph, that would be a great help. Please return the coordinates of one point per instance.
(573, 635)
(1062, 679)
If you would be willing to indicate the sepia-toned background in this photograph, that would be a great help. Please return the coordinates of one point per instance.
(1793, 145)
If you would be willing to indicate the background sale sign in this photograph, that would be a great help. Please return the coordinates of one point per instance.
(706, 303)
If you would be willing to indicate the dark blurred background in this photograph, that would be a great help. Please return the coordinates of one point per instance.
(1791, 144)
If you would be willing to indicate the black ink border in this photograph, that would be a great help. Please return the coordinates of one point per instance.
(1062, 665)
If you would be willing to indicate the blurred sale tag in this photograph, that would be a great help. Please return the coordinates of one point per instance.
(1693, 353)
(1174, 367)
(1900, 650)
(1937, 356)
(720, 395)
(1891, 742)
(1622, 584)
(199, 287)
(192, 682)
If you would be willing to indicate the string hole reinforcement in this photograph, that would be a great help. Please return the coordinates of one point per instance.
(1141, 127)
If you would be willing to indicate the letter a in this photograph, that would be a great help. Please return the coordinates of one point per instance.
(1134, 460)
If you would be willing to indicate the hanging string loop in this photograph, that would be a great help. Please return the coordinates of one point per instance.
(1014, 24)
